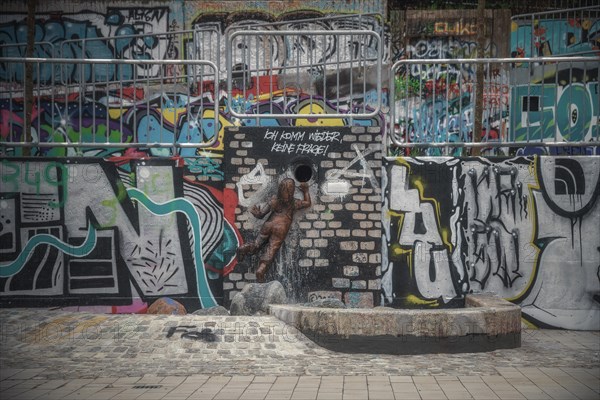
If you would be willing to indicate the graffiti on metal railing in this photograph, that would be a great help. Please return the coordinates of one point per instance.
(565, 32)
(306, 51)
(354, 74)
(557, 102)
(153, 33)
(155, 117)
(549, 102)
(120, 33)
(103, 117)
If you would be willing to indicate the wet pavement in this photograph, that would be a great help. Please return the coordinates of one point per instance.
(47, 353)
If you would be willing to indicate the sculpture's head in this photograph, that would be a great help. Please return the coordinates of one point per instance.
(286, 190)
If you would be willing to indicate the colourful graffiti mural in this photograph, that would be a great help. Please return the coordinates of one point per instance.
(524, 228)
(563, 105)
(158, 118)
(435, 102)
(117, 33)
(546, 102)
(545, 37)
(88, 231)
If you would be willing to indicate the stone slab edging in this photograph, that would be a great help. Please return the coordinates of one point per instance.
(486, 323)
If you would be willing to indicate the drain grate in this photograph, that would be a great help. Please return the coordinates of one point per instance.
(147, 386)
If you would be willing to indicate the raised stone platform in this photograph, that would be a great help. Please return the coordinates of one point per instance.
(486, 323)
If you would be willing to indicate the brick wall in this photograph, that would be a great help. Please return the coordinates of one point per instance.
(334, 247)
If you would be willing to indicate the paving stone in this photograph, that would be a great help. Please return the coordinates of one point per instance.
(262, 352)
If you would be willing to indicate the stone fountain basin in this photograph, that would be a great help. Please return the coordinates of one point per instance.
(486, 323)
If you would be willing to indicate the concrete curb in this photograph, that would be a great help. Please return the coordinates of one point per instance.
(486, 323)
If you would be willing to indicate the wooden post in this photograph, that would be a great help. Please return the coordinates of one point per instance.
(31, 6)
(479, 77)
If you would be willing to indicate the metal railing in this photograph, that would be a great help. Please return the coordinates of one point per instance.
(163, 111)
(365, 22)
(198, 44)
(40, 49)
(542, 102)
(297, 61)
(546, 102)
(566, 32)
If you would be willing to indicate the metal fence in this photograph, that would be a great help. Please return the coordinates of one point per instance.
(198, 44)
(159, 111)
(576, 29)
(19, 50)
(526, 102)
(296, 61)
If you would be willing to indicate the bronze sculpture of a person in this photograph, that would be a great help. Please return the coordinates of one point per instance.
(275, 229)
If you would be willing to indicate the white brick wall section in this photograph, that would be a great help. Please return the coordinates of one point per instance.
(321, 242)
(306, 243)
(375, 258)
(367, 245)
(312, 253)
(322, 262)
(351, 245)
(305, 262)
(360, 258)
(359, 285)
(375, 284)
(235, 276)
(340, 282)
(359, 233)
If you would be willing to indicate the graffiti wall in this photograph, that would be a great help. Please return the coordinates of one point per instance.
(124, 116)
(157, 222)
(162, 30)
(578, 34)
(126, 103)
(555, 103)
(332, 249)
(129, 32)
(521, 102)
(435, 102)
(117, 232)
(525, 228)
(142, 116)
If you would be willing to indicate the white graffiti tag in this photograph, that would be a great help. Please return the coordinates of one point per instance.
(255, 177)
(335, 185)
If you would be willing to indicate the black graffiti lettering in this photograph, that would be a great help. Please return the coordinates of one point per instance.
(205, 335)
(182, 328)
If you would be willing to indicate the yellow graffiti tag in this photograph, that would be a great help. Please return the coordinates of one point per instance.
(315, 109)
(61, 329)
(171, 114)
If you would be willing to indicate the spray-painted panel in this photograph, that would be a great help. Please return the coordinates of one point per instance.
(115, 232)
(524, 228)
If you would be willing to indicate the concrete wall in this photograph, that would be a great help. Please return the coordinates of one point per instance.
(115, 229)
(524, 228)
(114, 233)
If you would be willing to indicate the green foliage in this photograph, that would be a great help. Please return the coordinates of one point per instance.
(406, 87)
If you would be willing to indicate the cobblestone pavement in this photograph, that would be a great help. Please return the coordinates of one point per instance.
(48, 352)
